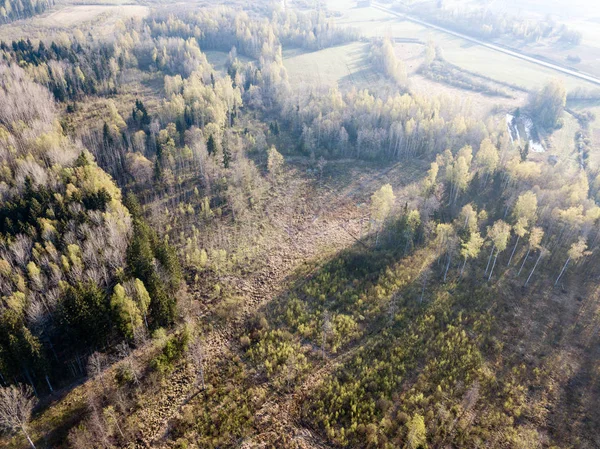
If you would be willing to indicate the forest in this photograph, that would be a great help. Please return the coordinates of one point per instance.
(198, 252)
(14, 10)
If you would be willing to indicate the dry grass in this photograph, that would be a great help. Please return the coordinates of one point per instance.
(218, 59)
(594, 130)
(562, 141)
(97, 19)
(469, 56)
(346, 64)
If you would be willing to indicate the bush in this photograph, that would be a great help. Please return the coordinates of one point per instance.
(172, 351)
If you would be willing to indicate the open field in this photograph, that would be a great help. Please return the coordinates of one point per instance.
(98, 19)
(594, 129)
(345, 65)
(218, 59)
(470, 56)
(562, 142)
(476, 103)
(581, 15)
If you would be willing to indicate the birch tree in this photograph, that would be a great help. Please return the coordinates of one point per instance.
(430, 180)
(381, 205)
(576, 252)
(447, 240)
(499, 233)
(16, 404)
(487, 159)
(535, 239)
(523, 214)
(467, 218)
(543, 252)
(471, 248)
(459, 178)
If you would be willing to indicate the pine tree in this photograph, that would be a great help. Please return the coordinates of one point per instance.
(211, 145)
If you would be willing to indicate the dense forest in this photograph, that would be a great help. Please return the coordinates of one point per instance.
(174, 271)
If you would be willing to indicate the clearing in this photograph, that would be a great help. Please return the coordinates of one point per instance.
(97, 19)
(344, 65)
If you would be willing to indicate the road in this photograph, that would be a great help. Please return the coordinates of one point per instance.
(499, 48)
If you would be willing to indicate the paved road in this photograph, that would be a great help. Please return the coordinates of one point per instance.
(499, 48)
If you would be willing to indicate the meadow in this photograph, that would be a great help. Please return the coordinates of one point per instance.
(98, 18)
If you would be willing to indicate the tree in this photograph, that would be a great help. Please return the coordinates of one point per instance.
(524, 152)
(523, 214)
(226, 157)
(471, 248)
(127, 314)
(84, 311)
(547, 104)
(446, 240)
(211, 145)
(535, 239)
(487, 159)
(97, 362)
(142, 298)
(381, 205)
(16, 404)
(274, 162)
(417, 433)
(543, 252)
(468, 218)
(576, 252)
(499, 233)
(458, 173)
(431, 178)
(326, 329)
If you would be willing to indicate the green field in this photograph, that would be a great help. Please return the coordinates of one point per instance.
(484, 61)
(345, 65)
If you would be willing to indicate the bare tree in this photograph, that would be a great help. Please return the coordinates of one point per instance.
(543, 252)
(96, 364)
(16, 404)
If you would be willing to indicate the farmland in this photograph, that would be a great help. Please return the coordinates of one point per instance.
(472, 57)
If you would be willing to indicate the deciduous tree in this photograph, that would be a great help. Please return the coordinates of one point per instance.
(16, 404)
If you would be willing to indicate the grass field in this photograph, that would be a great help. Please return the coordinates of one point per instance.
(562, 142)
(98, 19)
(218, 59)
(581, 15)
(476, 103)
(594, 130)
(345, 65)
(472, 57)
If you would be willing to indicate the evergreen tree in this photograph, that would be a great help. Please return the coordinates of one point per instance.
(211, 145)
